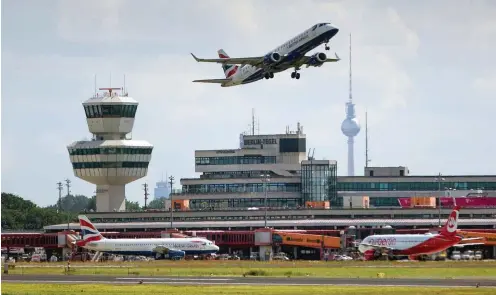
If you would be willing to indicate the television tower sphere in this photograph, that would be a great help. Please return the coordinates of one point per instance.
(350, 127)
(110, 160)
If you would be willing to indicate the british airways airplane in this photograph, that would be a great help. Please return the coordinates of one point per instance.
(291, 54)
(160, 248)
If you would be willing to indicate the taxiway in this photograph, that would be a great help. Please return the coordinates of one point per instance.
(293, 281)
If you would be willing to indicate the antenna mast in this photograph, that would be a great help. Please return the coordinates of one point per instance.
(145, 188)
(350, 96)
(367, 160)
(252, 121)
(60, 188)
(68, 185)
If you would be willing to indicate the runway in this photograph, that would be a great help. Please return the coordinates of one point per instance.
(294, 281)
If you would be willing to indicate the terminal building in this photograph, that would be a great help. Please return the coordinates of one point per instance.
(274, 170)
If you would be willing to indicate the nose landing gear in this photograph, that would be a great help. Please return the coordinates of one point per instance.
(327, 46)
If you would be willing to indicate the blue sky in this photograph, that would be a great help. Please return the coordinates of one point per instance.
(424, 70)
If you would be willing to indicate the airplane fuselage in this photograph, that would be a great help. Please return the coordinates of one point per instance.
(145, 247)
(291, 51)
(409, 244)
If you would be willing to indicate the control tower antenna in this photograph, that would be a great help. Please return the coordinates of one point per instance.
(124, 86)
(95, 86)
(350, 126)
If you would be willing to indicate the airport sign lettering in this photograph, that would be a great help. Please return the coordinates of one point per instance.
(260, 141)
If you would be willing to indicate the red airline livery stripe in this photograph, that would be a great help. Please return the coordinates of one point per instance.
(83, 222)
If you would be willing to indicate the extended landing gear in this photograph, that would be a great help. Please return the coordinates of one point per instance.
(295, 74)
(269, 75)
(327, 46)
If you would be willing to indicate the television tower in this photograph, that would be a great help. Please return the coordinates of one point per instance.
(350, 127)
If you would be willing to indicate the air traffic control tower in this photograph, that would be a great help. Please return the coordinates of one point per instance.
(111, 159)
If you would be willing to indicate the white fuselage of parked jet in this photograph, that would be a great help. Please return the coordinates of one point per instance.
(146, 247)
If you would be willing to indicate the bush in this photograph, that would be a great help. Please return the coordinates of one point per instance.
(256, 273)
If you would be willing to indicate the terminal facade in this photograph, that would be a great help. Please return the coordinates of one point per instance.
(274, 170)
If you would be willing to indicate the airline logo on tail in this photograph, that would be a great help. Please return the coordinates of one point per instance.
(452, 223)
(88, 231)
(229, 70)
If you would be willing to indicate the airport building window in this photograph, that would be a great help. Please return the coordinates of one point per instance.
(110, 111)
(236, 174)
(236, 160)
(414, 186)
(240, 188)
(243, 203)
(384, 202)
(318, 182)
(98, 165)
(111, 151)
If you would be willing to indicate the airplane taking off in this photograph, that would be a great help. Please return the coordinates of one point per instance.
(244, 70)
(412, 245)
(172, 248)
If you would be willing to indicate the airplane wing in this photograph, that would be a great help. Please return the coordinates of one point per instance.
(220, 81)
(256, 61)
(162, 250)
(307, 60)
(377, 246)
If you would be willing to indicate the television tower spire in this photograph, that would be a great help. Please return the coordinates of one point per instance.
(350, 126)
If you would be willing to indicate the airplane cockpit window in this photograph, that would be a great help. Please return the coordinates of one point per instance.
(314, 27)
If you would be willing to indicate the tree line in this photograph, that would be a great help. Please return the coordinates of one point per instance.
(19, 214)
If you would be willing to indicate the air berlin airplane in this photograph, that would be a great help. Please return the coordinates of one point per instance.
(412, 245)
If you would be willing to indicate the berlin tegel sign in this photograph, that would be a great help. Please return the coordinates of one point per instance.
(260, 141)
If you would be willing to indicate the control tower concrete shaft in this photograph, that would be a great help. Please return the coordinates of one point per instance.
(350, 127)
(110, 160)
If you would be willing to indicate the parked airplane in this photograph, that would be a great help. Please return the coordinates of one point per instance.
(416, 244)
(291, 54)
(172, 248)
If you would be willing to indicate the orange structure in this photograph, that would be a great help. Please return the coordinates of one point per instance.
(489, 239)
(306, 240)
(318, 205)
(423, 202)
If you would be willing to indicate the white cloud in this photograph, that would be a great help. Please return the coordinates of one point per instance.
(486, 85)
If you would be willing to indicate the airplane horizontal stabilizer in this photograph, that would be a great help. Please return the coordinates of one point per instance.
(254, 61)
(220, 81)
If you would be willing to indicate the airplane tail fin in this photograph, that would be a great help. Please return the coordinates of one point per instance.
(229, 70)
(451, 225)
(88, 230)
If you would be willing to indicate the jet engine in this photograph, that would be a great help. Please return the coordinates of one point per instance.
(272, 58)
(318, 59)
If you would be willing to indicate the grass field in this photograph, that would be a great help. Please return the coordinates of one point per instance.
(346, 269)
(63, 289)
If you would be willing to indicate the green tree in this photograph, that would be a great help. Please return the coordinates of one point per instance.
(132, 206)
(158, 203)
(20, 214)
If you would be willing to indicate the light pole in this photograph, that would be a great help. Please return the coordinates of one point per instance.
(171, 182)
(439, 180)
(265, 179)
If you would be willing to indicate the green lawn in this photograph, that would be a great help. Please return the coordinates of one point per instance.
(63, 289)
(299, 268)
